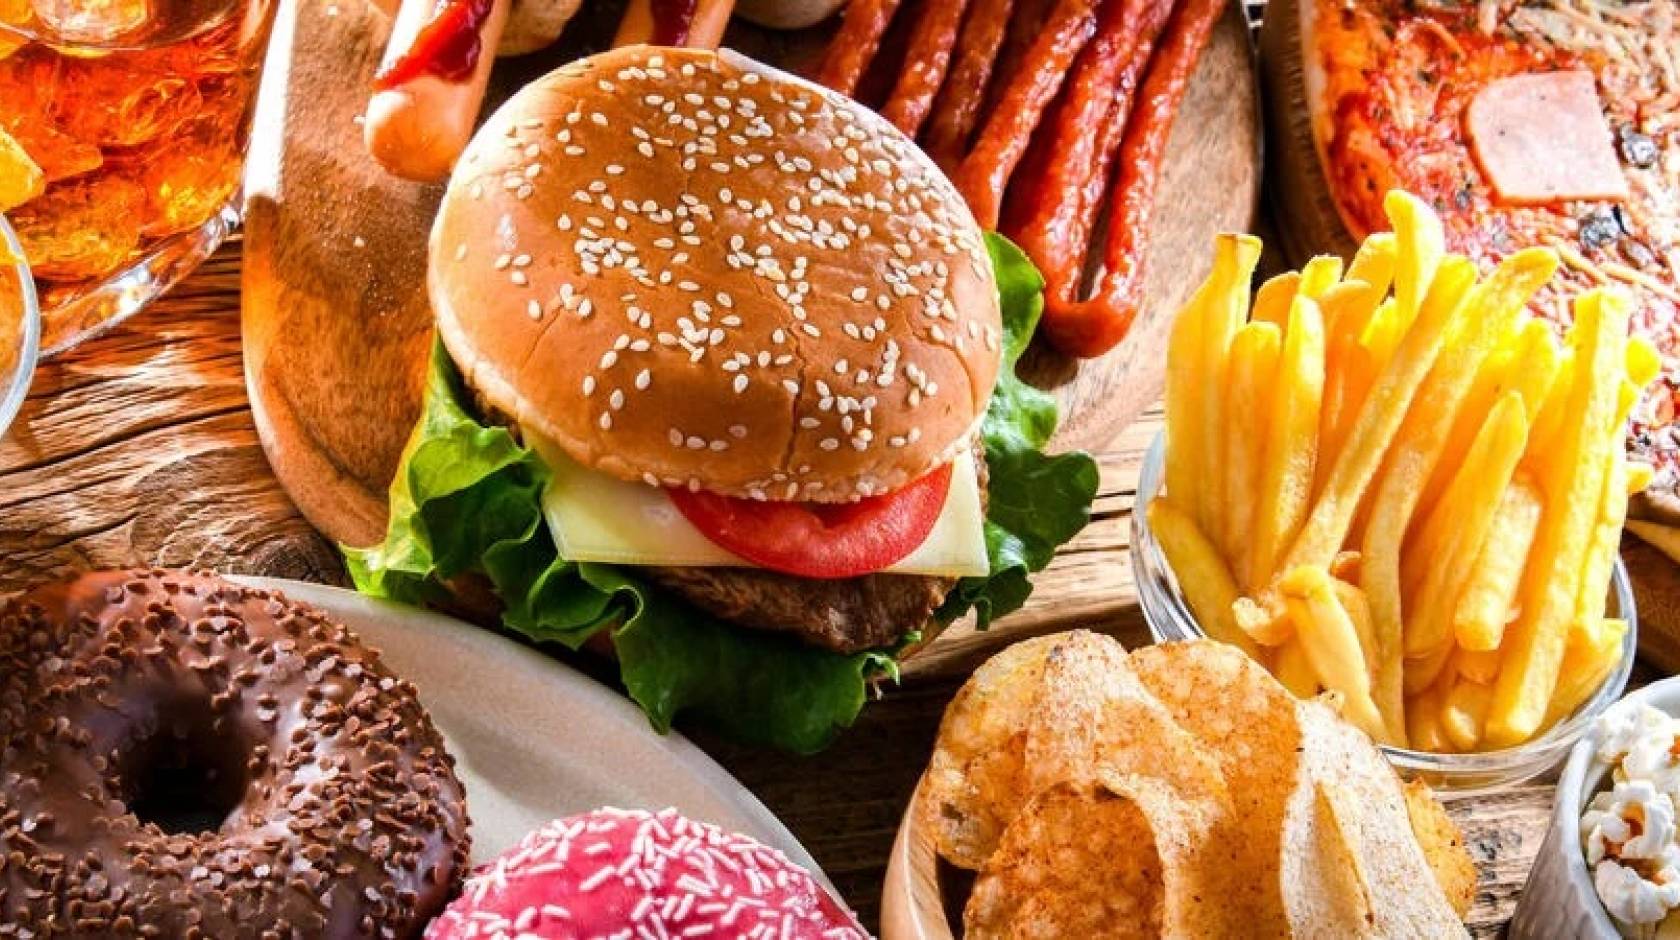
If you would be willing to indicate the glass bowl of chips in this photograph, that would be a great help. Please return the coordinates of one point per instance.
(20, 326)
(1170, 618)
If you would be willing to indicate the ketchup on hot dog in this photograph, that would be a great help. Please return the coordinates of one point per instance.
(448, 46)
(671, 21)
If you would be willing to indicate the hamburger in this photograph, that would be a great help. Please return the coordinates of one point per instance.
(724, 374)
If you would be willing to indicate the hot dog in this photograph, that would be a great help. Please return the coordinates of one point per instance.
(697, 24)
(431, 84)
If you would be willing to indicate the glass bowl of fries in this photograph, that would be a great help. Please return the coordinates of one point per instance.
(20, 326)
(1170, 619)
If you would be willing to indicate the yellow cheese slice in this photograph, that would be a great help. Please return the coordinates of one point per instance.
(600, 518)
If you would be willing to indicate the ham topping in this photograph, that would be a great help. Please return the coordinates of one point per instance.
(1541, 138)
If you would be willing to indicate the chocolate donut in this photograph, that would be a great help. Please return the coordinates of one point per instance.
(181, 756)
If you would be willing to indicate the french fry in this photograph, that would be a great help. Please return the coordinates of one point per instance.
(1573, 483)
(1373, 263)
(1250, 377)
(1463, 710)
(1423, 673)
(1201, 573)
(1490, 597)
(1295, 671)
(1360, 347)
(1420, 250)
(1528, 364)
(1423, 722)
(1331, 642)
(1479, 666)
(1274, 298)
(1186, 384)
(1347, 309)
(1492, 312)
(1286, 473)
(1593, 651)
(1644, 363)
(1639, 476)
(1267, 625)
(1549, 420)
(1327, 525)
(1224, 305)
(1319, 275)
(1456, 528)
(1604, 545)
(1534, 365)
(1358, 609)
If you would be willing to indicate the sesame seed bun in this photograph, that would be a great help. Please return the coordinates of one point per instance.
(688, 268)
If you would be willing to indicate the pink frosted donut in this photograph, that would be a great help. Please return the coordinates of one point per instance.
(629, 873)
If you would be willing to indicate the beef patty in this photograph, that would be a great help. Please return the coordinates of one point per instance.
(845, 615)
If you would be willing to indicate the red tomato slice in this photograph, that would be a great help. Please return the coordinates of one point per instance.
(821, 540)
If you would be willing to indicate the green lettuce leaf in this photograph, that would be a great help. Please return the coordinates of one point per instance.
(466, 502)
(1035, 502)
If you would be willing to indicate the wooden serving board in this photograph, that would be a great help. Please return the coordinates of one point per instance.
(335, 316)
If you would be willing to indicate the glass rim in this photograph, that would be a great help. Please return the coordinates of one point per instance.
(1161, 599)
(29, 337)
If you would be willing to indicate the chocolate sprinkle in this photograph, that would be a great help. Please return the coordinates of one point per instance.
(349, 820)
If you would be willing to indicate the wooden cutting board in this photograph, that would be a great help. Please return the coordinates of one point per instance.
(335, 318)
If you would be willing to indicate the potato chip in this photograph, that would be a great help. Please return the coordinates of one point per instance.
(1079, 861)
(1443, 846)
(1252, 733)
(1349, 795)
(1178, 791)
(973, 782)
(1094, 712)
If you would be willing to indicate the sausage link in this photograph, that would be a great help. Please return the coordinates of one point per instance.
(852, 49)
(1071, 157)
(1093, 327)
(985, 172)
(958, 106)
(925, 62)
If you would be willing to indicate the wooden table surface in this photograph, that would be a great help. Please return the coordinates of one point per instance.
(139, 448)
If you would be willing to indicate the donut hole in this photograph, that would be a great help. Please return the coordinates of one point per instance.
(183, 774)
